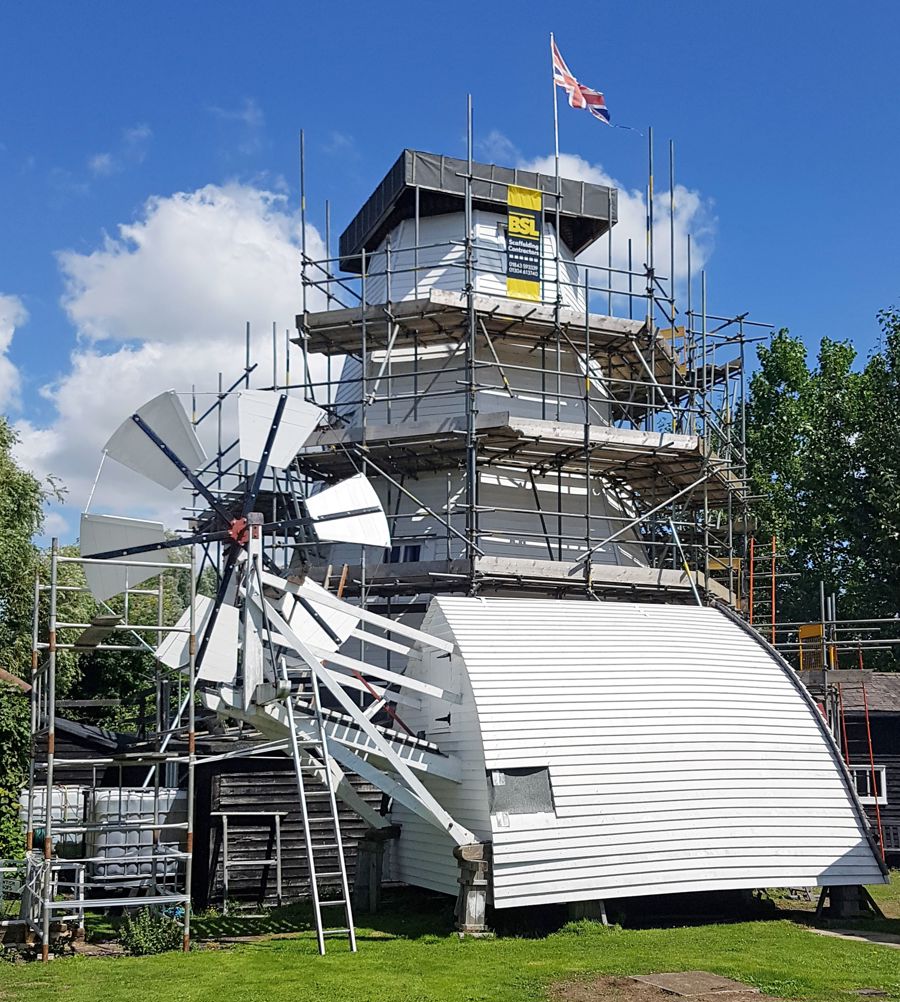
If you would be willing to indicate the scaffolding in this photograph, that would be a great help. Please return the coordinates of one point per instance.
(137, 851)
(615, 386)
(829, 642)
(615, 408)
(95, 872)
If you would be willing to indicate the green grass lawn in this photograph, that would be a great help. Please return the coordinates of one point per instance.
(410, 954)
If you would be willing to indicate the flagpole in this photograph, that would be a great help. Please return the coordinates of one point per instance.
(556, 236)
(651, 275)
(555, 110)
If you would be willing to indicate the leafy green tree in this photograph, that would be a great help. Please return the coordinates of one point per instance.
(879, 474)
(22, 499)
(822, 449)
(802, 434)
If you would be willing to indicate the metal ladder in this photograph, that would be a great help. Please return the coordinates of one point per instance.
(318, 746)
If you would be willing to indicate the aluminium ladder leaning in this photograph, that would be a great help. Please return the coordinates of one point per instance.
(313, 748)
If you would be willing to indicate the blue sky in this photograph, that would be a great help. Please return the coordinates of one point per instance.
(784, 117)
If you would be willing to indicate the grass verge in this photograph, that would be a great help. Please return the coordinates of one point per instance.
(410, 953)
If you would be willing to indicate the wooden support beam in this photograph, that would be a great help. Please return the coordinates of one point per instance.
(19, 683)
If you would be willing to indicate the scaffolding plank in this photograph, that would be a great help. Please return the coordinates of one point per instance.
(101, 627)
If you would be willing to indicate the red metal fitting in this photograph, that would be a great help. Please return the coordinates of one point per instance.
(238, 531)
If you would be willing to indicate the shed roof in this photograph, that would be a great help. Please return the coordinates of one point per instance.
(91, 734)
(882, 689)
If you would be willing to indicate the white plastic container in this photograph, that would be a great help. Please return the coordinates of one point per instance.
(66, 807)
(121, 849)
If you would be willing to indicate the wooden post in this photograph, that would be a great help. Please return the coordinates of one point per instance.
(370, 867)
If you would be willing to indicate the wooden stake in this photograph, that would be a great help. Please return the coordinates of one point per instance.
(343, 581)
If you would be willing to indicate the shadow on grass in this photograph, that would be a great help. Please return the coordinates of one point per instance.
(406, 913)
(867, 924)
(660, 912)
(412, 913)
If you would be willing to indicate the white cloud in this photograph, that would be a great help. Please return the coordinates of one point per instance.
(498, 148)
(340, 144)
(162, 305)
(135, 141)
(12, 315)
(248, 112)
(693, 215)
(102, 165)
(132, 149)
(250, 117)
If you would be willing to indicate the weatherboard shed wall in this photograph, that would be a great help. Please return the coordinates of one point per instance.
(681, 755)
(423, 855)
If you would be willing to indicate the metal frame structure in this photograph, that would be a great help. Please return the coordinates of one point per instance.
(56, 889)
(674, 454)
(268, 819)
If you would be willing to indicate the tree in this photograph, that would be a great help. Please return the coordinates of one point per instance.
(22, 499)
(879, 456)
(822, 451)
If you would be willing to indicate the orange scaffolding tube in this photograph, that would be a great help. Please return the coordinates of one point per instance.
(846, 743)
(873, 784)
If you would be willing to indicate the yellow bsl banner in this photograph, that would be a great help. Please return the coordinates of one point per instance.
(523, 242)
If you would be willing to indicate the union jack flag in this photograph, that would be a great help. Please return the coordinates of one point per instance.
(579, 95)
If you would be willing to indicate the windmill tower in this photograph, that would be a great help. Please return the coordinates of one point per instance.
(492, 432)
(519, 438)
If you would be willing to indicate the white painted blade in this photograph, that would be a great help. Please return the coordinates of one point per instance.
(350, 495)
(220, 659)
(256, 410)
(132, 448)
(100, 533)
(307, 629)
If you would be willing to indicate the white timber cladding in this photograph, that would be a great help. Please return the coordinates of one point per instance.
(681, 755)
(510, 521)
(416, 385)
(423, 855)
(440, 261)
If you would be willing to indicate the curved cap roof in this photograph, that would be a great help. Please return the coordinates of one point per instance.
(586, 210)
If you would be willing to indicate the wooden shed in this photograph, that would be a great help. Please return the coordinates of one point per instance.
(255, 800)
(873, 743)
(241, 795)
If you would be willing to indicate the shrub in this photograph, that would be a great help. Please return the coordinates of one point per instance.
(149, 931)
(588, 927)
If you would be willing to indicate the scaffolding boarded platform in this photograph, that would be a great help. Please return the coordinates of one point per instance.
(502, 575)
(654, 464)
(625, 349)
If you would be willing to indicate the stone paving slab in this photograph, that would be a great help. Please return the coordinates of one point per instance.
(888, 939)
(692, 983)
